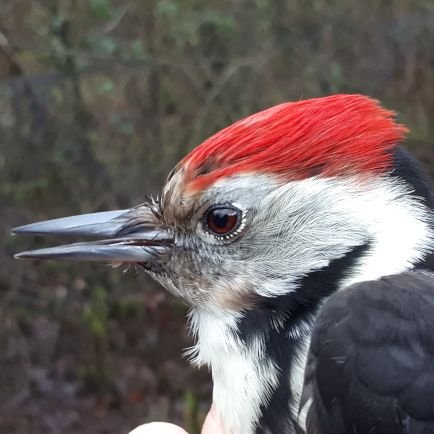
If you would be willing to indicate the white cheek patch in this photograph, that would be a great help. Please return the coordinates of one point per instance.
(303, 225)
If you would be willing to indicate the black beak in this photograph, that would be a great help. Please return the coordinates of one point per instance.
(132, 235)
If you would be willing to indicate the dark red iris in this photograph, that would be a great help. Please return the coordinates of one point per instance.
(222, 220)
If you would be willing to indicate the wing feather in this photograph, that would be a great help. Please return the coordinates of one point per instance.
(371, 362)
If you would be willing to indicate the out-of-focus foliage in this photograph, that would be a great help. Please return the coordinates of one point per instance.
(98, 100)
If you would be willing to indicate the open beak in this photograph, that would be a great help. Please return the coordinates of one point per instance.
(131, 235)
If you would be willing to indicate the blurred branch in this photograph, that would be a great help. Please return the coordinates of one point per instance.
(109, 27)
(218, 87)
(23, 87)
(154, 80)
(9, 54)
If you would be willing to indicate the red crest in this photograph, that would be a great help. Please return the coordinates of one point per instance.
(330, 136)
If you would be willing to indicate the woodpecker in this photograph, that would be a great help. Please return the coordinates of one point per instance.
(302, 237)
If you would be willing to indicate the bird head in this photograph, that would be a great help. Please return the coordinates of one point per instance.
(257, 226)
(265, 202)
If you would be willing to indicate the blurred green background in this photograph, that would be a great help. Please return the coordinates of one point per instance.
(98, 100)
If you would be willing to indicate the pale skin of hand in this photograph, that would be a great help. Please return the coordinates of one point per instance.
(212, 425)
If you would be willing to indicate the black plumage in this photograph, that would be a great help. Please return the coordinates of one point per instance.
(371, 362)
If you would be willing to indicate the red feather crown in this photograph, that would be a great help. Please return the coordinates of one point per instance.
(330, 136)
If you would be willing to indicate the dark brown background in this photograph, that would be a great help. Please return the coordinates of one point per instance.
(98, 100)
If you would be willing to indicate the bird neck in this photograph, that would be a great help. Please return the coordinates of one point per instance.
(258, 357)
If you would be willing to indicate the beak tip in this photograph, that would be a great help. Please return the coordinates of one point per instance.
(106, 223)
(28, 254)
(22, 230)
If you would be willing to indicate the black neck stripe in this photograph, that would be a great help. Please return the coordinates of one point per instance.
(280, 347)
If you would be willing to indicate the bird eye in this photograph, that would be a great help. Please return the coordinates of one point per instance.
(223, 220)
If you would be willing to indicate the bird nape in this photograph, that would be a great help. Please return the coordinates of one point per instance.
(302, 237)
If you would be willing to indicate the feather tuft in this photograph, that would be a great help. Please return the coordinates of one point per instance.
(330, 136)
